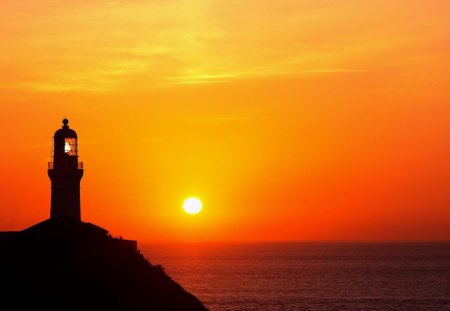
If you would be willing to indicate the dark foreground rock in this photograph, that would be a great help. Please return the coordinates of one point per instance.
(61, 264)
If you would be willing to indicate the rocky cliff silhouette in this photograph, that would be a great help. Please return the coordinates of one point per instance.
(66, 264)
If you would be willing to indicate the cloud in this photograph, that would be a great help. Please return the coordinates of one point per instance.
(101, 46)
(200, 79)
(207, 79)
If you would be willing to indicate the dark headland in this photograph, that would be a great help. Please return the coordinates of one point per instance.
(64, 263)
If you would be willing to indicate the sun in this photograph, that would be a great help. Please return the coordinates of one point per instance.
(192, 206)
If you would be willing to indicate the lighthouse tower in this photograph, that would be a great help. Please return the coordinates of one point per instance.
(65, 173)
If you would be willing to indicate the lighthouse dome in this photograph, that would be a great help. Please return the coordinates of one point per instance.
(65, 131)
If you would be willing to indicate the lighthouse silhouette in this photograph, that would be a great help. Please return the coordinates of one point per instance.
(77, 265)
(65, 173)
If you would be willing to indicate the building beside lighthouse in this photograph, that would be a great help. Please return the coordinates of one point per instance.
(65, 172)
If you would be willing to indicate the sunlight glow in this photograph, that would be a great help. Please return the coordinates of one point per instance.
(293, 120)
(192, 206)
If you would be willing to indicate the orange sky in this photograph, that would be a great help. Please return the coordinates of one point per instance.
(291, 120)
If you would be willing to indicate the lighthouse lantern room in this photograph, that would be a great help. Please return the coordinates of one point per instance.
(65, 172)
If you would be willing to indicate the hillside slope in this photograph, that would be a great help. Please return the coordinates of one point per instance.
(61, 264)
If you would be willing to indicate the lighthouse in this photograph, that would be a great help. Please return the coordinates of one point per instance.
(65, 173)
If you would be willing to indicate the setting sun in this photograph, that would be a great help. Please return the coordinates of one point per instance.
(192, 206)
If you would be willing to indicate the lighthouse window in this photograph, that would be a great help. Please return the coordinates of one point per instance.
(70, 146)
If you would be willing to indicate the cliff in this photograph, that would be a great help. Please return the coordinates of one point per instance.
(63, 264)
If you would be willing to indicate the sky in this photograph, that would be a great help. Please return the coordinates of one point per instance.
(291, 120)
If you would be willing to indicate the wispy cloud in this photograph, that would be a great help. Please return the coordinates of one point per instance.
(102, 45)
(206, 79)
(327, 71)
(200, 79)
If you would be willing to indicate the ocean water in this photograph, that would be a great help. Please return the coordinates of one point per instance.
(310, 276)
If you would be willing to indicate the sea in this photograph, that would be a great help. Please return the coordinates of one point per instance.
(309, 276)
